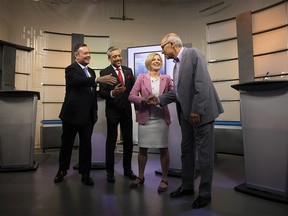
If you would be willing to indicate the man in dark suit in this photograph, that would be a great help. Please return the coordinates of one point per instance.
(198, 106)
(118, 111)
(79, 113)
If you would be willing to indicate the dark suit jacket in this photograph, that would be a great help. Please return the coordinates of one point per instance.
(120, 105)
(80, 101)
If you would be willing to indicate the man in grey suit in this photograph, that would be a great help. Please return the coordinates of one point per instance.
(198, 106)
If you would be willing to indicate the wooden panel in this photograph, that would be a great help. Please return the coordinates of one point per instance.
(221, 30)
(224, 50)
(58, 41)
(231, 111)
(225, 90)
(270, 41)
(270, 18)
(57, 59)
(224, 70)
(97, 44)
(99, 61)
(53, 94)
(51, 111)
(274, 64)
(53, 76)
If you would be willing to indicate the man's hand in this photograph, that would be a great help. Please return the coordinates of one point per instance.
(195, 118)
(119, 89)
(107, 79)
(152, 100)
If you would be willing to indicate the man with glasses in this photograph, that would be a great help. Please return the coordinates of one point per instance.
(198, 106)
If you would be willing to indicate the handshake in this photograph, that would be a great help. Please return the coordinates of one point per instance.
(151, 100)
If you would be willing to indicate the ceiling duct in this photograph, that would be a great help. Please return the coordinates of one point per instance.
(211, 7)
(124, 18)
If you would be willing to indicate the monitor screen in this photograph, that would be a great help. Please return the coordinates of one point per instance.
(137, 57)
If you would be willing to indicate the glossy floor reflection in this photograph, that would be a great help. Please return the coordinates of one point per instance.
(34, 192)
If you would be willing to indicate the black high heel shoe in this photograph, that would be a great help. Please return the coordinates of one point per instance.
(138, 183)
(162, 189)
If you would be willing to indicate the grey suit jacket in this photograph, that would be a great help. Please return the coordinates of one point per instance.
(196, 92)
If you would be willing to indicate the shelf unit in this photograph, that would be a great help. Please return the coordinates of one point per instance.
(270, 53)
(261, 47)
(57, 56)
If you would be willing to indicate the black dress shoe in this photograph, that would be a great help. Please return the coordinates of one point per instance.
(110, 178)
(130, 175)
(180, 192)
(201, 202)
(87, 180)
(60, 176)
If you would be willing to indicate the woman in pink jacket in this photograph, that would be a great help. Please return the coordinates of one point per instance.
(153, 120)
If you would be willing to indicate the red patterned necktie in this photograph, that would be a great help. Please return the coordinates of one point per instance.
(120, 76)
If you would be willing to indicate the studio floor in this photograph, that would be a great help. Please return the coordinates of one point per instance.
(34, 192)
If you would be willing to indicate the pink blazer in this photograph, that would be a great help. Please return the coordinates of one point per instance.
(142, 89)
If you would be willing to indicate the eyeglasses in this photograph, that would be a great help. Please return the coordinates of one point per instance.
(163, 46)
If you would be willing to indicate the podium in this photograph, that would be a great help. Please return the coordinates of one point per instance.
(264, 119)
(17, 130)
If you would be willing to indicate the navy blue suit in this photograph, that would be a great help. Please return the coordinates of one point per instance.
(78, 115)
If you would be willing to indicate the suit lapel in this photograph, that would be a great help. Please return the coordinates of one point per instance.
(162, 85)
(79, 69)
(183, 60)
(124, 72)
(113, 71)
(147, 83)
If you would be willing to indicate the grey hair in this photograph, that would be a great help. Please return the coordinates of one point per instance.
(172, 37)
(111, 49)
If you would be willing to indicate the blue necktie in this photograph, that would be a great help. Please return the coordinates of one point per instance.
(87, 72)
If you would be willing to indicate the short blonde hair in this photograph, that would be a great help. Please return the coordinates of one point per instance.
(149, 59)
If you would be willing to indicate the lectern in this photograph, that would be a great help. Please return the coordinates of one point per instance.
(264, 119)
(17, 130)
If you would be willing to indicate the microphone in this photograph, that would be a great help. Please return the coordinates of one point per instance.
(265, 77)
